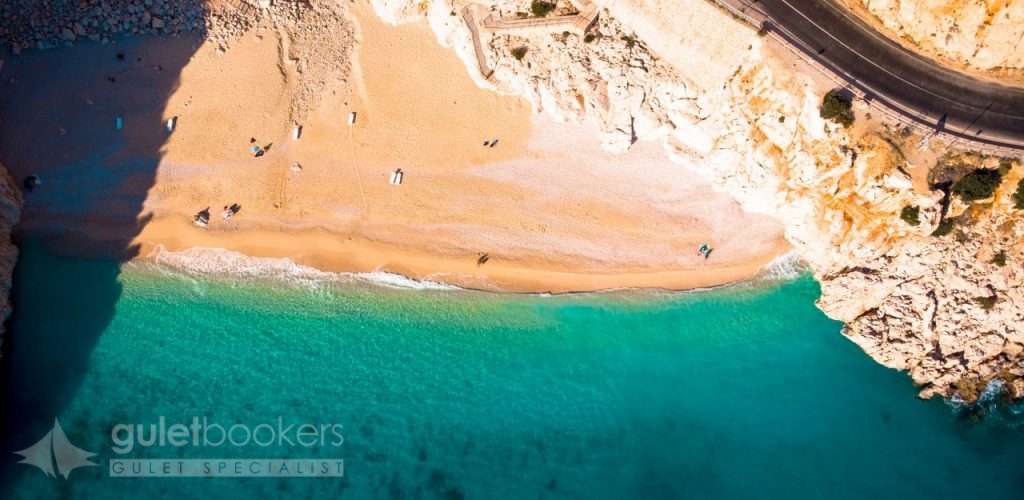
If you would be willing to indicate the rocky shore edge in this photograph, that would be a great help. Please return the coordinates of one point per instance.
(11, 202)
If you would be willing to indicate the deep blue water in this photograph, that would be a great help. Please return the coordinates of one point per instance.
(744, 392)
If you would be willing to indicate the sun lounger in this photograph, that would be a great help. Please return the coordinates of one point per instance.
(202, 218)
(396, 177)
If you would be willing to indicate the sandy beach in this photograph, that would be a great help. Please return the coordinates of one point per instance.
(550, 211)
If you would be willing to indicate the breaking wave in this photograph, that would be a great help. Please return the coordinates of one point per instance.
(237, 267)
(786, 267)
(993, 404)
(219, 262)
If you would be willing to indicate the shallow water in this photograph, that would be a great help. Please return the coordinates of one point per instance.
(743, 392)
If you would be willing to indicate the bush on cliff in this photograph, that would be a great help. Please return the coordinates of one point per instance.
(911, 215)
(540, 8)
(1018, 197)
(999, 259)
(838, 107)
(945, 227)
(519, 53)
(977, 185)
(987, 303)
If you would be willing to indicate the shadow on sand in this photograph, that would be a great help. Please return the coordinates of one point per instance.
(59, 111)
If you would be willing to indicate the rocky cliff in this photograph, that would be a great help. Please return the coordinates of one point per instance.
(938, 307)
(984, 35)
(10, 211)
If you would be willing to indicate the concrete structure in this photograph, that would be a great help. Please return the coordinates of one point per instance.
(580, 22)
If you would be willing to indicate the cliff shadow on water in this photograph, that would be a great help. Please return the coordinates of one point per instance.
(90, 122)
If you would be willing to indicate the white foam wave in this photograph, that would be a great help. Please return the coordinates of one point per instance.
(992, 393)
(786, 267)
(992, 403)
(200, 261)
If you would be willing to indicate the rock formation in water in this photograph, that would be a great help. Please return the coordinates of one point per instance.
(10, 211)
(981, 35)
(947, 309)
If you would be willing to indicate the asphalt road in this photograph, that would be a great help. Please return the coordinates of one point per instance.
(958, 104)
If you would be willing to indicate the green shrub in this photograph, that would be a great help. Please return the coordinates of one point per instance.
(630, 41)
(519, 53)
(540, 8)
(837, 107)
(1018, 197)
(589, 37)
(977, 185)
(910, 215)
(945, 227)
(999, 259)
(987, 303)
(1004, 167)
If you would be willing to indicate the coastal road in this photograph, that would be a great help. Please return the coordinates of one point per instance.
(936, 96)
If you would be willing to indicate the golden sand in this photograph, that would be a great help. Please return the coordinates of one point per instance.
(548, 208)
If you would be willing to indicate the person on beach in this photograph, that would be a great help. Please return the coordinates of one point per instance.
(705, 250)
(230, 211)
(202, 218)
(258, 151)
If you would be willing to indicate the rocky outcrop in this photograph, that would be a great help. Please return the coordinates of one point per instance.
(10, 212)
(912, 301)
(43, 24)
(981, 35)
(949, 310)
(50, 23)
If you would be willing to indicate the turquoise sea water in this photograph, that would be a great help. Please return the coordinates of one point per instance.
(745, 392)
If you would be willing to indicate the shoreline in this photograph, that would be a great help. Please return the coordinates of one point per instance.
(232, 266)
(318, 249)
